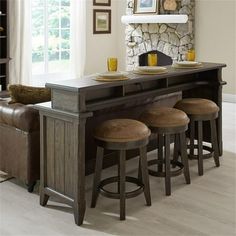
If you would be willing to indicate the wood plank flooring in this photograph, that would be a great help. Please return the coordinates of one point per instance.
(206, 207)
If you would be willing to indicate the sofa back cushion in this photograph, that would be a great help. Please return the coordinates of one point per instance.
(28, 95)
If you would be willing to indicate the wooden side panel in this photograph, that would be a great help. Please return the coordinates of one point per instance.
(69, 160)
(50, 136)
(65, 101)
(59, 150)
(60, 159)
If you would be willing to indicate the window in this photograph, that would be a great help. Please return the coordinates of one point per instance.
(50, 37)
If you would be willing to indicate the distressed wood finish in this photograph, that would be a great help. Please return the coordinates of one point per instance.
(61, 142)
(64, 100)
(69, 161)
(50, 152)
(77, 105)
(59, 154)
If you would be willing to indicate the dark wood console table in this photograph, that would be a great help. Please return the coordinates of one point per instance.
(66, 124)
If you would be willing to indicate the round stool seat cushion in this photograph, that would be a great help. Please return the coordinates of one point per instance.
(197, 106)
(121, 130)
(164, 117)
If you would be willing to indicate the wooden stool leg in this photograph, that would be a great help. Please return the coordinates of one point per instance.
(122, 184)
(167, 165)
(215, 142)
(184, 157)
(118, 174)
(200, 149)
(97, 175)
(160, 153)
(145, 176)
(192, 135)
(139, 170)
(176, 150)
(43, 198)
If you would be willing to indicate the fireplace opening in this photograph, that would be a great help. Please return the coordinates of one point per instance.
(163, 59)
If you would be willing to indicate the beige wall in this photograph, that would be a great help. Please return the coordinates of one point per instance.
(100, 47)
(215, 36)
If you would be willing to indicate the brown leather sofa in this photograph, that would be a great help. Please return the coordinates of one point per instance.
(19, 142)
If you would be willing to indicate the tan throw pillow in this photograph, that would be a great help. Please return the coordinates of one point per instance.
(28, 95)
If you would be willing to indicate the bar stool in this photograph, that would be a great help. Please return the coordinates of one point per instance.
(121, 135)
(201, 110)
(166, 122)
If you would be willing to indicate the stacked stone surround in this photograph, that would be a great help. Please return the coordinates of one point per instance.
(172, 39)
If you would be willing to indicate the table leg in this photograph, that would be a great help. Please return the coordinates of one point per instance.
(79, 198)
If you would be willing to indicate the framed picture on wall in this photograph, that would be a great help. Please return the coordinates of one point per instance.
(102, 2)
(101, 21)
(146, 6)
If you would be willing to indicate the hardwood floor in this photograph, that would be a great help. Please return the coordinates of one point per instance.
(206, 207)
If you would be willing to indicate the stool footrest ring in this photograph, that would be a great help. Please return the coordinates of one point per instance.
(173, 173)
(116, 195)
(205, 156)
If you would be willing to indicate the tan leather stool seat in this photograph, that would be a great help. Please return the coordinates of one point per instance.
(121, 130)
(164, 117)
(165, 123)
(197, 106)
(201, 110)
(121, 135)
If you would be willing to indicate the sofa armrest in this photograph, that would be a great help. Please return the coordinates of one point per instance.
(23, 117)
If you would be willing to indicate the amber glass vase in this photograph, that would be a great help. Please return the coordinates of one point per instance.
(152, 59)
(190, 55)
(112, 64)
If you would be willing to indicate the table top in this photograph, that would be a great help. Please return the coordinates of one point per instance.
(89, 82)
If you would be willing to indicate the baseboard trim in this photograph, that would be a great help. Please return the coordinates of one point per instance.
(229, 98)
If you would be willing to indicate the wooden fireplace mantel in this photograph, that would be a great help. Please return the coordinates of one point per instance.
(167, 18)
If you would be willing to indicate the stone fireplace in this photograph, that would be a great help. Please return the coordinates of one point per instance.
(171, 39)
(163, 59)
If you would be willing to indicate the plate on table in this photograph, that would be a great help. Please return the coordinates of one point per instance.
(148, 73)
(111, 76)
(152, 69)
(187, 64)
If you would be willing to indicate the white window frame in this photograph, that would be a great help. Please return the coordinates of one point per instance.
(41, 79)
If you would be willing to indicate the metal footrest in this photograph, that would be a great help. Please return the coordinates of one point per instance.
(116, 195)
(173, 173)
(204, 156)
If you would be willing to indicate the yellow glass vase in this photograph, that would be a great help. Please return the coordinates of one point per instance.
(112, 64)
(152, 59)
(191, 55)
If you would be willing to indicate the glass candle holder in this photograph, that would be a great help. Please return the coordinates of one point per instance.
(112, 64)
(152, 59)
(190, 55)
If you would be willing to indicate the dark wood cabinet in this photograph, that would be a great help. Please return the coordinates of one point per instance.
(4, 44)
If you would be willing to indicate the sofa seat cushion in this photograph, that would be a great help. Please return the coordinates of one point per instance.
(20, 116)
